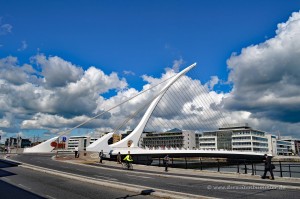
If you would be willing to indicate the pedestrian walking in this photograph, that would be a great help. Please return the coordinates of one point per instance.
(76, 152)
(101, 156)
(119, 158)
(268, 166)
(166, 162)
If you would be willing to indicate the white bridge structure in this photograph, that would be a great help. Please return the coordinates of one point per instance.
(130, 143)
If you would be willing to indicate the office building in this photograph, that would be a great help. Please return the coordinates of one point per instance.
(174, 138)
(284, 147)
(235, 137)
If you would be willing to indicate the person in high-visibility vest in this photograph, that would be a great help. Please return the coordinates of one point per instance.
(128, 159)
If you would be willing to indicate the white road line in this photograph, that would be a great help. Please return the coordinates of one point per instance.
(50, 197)
(106, 178)
(113, 179)
(24, 186)
(138, 176)
(143, 177)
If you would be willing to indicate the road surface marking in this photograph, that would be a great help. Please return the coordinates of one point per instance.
(24, 186)
(50, 197)
(138, 176)
(106, 178)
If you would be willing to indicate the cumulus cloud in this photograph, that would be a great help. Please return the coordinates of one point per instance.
(56, 71)
(61, 95)
(4, 123)
(266, 77)
(13, 73)
(214, 80)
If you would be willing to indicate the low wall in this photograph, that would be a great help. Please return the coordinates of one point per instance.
(286, 158)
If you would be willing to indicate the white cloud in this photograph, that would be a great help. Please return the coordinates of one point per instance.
(177, 64)
(61, 95)
(4, 123)
(214, 80)
(13, 73)
(23, 46)
(2, 134)
(266, 78)
(5, 29)
(127, 72)
(56, 71)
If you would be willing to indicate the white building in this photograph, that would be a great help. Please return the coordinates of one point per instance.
(236, 137)
(294, 148)
(174, 138)
(272, 143)
(197, 139)
(79, 141)
(284, 147)
(208, 140)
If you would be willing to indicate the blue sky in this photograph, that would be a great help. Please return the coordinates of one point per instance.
(142, 37)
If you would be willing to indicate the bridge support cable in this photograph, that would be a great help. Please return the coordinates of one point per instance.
(202, 105)
(184, 97)
(108, 110)
(182, 102)
(138, 111)
(216, 111)
(208, 99)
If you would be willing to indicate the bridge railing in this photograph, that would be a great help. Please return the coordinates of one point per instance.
(242, 166)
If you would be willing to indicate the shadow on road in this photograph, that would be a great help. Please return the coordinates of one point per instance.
(6, 164)
(10, 191)
(143, 193)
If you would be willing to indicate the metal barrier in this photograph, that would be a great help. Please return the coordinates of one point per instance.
(282, 168)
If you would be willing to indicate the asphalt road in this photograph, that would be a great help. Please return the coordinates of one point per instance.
(18, 182)
(212, 187)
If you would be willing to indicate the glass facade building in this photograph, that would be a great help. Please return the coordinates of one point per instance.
(179, 139)
(237, 138)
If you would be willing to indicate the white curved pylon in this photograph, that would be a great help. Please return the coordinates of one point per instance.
(44, 147)
(135, 135)
(100, 144)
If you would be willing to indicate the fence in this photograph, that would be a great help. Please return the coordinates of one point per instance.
(282, 168)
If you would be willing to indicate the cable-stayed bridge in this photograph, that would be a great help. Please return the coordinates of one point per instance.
(178, 101)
